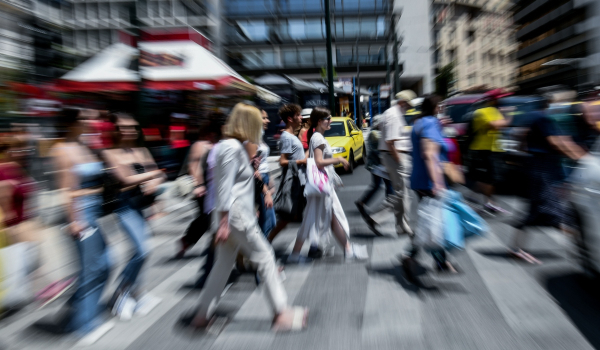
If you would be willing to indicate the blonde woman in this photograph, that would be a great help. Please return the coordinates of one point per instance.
(238, 227)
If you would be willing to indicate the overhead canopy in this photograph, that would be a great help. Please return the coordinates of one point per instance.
(301, 85)
(164, 65)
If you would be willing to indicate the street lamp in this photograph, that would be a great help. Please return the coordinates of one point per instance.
(572, 62)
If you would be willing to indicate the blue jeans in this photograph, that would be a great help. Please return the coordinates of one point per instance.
(93, 257)
(375, 184)
(266, 218)
(133, 222)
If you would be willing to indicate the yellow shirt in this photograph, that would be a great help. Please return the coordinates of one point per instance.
(485, 136)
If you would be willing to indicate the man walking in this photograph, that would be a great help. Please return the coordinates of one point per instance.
(394, 148)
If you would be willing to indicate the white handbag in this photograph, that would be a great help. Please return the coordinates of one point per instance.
(317, 181)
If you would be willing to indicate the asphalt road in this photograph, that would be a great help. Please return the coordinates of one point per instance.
(494, 303)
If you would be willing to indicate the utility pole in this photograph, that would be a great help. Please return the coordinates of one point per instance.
(329, 58)
(357, 116)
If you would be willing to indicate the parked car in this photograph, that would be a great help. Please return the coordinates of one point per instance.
(346, 141)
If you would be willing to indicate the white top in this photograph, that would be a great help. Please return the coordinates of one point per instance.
(234, 181)
(392, 128)
(264, 151)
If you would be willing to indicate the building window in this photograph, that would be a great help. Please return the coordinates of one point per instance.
(472, 79)
(470, 36)
(290, 58)
(470, 58)
(254, 30)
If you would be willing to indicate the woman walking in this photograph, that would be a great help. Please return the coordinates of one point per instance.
(238, 228)
(139, 179)
(80, 174)
(325, 213)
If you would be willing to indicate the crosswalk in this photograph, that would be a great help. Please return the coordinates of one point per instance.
(494, 303)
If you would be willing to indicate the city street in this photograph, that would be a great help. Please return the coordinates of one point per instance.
(494, 303)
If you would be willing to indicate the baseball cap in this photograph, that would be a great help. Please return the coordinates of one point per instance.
(406, 96)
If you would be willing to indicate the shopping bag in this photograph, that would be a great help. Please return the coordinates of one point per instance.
(429, 232)
(317, 182)
(17, 262)
(460, 221)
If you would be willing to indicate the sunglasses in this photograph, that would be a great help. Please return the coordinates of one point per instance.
(327, 118)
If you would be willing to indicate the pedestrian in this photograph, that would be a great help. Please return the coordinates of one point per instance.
(546, 143)
(487, 124)
(427, 176)
(378, 175)
(266, 216)
(394, 148)
(210, 135)
(291, 150)
(139, 182)
(80, 173)
(324, 214)
(238, 228)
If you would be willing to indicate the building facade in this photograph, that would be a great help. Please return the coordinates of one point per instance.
(88, 26)
(477, 38)
(559, 43)
(16, 43)
(288, 37)
(414, 30)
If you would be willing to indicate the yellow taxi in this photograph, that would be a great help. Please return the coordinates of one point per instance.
(346, 141)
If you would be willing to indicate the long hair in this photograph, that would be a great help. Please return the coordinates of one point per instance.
(317, 114)
(244, 124)
(429, 105)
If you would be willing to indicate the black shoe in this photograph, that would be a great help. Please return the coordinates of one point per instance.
(370, 222)
(409, 266)
(315, 252)
(51, 327)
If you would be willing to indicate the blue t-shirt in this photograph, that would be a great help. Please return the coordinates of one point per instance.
(429, 128)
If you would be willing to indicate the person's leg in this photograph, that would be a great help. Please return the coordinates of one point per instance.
(281, 224)
(135, 227)
(389, 189)
(93, 256)
(370, 192)
(339, 233)
(85, 302)
(407, 199)
(215, 283)
(267, 218)
(394, 170)
(260, 253)
(196, 229)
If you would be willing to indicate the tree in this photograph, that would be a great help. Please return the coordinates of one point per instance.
(444, 80)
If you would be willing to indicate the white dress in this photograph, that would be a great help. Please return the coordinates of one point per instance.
(316, 224)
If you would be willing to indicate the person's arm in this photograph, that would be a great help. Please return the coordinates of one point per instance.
(393, 151)
(226, 169)
(62, 165)
(431, 155)
(195, 167)
(322, 162)
(391, 133)
(123, 173)
(566, 146)
(284, 161)
(500, 123)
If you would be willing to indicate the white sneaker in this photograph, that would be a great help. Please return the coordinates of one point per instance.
(146, 304)
(126, 308)
(356, 252)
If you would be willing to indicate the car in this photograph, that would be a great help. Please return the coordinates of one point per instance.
(346, 141)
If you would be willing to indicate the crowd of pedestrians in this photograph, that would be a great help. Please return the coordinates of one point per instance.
(243, 210)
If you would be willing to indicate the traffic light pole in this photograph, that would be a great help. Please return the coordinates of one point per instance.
(329, 58)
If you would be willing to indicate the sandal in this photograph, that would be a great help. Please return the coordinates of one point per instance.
(298, 321)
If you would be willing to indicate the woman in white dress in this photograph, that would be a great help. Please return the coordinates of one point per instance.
(324, 214)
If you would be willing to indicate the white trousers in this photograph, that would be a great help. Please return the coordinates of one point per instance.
(248, 238)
